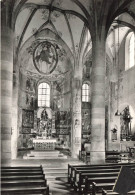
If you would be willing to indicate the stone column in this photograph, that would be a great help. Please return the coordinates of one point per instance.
(76, 118)
(6, 92)
(97, 153)
(14, 132)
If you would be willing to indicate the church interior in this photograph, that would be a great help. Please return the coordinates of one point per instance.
(67, 96)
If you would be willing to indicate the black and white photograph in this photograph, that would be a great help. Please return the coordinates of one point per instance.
(67, 97)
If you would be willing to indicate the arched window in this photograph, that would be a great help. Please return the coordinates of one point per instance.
(131, 50)
(85, 93)
(43, 95)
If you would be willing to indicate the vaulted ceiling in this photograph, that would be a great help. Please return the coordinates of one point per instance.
(75, 21)
(69, 18)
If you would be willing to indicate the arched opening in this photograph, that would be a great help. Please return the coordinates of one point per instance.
(130, 51)
(43, 95)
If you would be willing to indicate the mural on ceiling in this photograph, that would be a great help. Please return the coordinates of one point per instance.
(45, 57)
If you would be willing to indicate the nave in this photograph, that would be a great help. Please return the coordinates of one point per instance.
(64, 176)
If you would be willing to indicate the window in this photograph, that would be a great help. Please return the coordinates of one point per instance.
(131, 50)
(85, 93)
(43, 95)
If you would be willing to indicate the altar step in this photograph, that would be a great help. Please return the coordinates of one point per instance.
(45, 153)
(48, 155)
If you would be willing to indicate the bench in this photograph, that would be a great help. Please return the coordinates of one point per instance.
(72, 167)
(22, 167)
(113, 156)
(89, 181)
(94, 170)
(73, 170)
(80, 182)
(25, 190)
(5, 178)
(78, 174)
(29, 183)
(21, 173)
(97, 187)
(85, 180)
(110, 192)
(23, 180)
(107, 184)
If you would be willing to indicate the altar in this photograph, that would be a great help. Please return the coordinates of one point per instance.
(44, 144)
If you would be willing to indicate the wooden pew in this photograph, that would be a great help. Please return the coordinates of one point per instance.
(5, 178)
(21, 173)
(89, 181)
(19, 170)
(30, 182)
(21, 167)
(85, 180)
(25, 190)
(71, 168)
(107, 185)
(97, 187)
(80, 175)
(110, 192)
(79, 184)
(113, 156)
(72, 171)
(94, 170)
(79, 181)
(23, 180)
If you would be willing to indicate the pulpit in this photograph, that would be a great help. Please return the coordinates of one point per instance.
(44, 144)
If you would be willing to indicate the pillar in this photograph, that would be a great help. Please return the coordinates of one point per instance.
(6, 92)
(14, 131)
(97, 153)
(76, 118)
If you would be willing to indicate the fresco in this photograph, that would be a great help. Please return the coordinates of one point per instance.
(45, 57)
(27, 118)
(62, 122)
